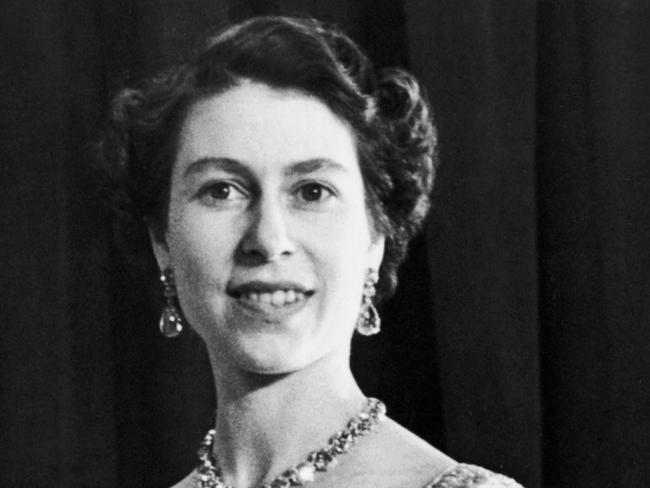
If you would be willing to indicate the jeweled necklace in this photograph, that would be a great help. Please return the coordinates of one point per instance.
(209, 472)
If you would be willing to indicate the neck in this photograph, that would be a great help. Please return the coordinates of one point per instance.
(268, 423)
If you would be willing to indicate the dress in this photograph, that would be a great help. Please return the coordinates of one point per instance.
(470, 476)
(458, 476)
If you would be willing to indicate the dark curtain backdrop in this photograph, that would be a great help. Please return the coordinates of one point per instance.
(520, 337)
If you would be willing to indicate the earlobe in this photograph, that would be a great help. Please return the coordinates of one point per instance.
(159, 247)
(376, 252)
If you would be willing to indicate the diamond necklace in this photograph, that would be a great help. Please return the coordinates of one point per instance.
(209, 472)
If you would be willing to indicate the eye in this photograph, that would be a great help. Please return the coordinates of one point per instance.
(314, 192)
(220, 192)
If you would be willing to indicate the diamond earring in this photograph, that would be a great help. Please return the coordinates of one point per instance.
(369, 322)
(171, 323)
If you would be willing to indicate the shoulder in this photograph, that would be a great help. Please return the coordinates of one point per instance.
(188, 482)
(470, 476)
(392, 457)
(397, 457)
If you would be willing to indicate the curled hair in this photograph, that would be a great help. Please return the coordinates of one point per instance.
(387, 110)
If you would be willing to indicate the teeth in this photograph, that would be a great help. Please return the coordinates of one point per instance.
(278, 298)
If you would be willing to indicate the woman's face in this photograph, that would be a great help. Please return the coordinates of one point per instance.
(268, 234)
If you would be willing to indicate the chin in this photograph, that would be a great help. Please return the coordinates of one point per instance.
(261, 353)
(270, 368)
(273, 360)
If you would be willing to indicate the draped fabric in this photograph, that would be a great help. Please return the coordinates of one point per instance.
(518, 339)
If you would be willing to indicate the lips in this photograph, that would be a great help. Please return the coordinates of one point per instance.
(274, 294)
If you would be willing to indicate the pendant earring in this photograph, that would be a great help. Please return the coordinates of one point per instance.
(369, 322)
(171, 323)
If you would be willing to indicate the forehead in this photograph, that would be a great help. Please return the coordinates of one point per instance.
(258, 124)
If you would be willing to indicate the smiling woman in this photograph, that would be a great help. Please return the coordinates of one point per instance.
(279, 178)
(267, 233)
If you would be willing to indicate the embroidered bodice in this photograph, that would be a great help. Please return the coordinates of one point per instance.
(470, 476)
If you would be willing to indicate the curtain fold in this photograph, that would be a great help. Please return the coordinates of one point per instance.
(593, 174)
(56, 357)
(518, 338)
(482, 231)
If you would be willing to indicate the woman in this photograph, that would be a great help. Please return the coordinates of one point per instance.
(280, 179)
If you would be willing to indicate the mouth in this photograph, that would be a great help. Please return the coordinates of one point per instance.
(267, 294)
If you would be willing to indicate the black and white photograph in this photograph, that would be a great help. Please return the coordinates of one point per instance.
(325, 244)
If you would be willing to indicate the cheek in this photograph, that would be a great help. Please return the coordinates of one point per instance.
(199, 255)
(343, 260)
(349, 238)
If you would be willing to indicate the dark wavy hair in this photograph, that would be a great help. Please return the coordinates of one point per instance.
(396, 138)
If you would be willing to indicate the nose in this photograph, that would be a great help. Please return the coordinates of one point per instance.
(267, 238)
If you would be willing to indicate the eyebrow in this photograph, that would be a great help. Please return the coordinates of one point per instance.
(234, 166)
(313, 165)
(225, 164)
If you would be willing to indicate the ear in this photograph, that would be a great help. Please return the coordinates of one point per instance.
(159, 246)
(376, 251)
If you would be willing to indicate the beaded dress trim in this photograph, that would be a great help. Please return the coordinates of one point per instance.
(470, 476)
